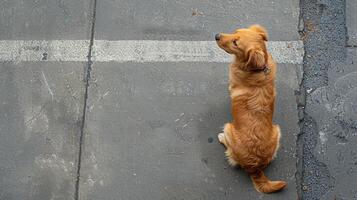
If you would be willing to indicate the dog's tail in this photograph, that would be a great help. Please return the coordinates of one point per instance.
(263, 184)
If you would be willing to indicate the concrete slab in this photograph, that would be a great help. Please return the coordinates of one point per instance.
(42, 102)
(193, 19)
(43, 19)
(351, 16)
(325, 42)
(334, 109)
(41, 109)
(151, 133)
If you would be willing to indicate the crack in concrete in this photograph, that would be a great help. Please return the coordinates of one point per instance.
(87, 78)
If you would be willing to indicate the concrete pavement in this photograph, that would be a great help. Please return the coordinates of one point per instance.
(41, 111)
(334, 109)
(41, 102)
(351, 9)
(151, 127)
(193, 20)
(328, 137)
(151, 133)
(109, 126)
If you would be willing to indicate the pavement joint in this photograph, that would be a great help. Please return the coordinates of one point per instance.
(87, 78)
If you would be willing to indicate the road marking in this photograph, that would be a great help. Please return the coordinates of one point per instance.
(43, 50)
(135, 51)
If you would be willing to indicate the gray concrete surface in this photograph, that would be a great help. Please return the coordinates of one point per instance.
(41, 109)
(41, 105)
(193, 19)
(334, 109)
(150, 129)
(351, 16)
(151, 133)
(45, 19)
(328, 155)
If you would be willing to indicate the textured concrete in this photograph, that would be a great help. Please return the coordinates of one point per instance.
(151, 133)
(351, 16)
(193, 19)
(41, 110)
(328, 138)
(334, 109)
(150, 129)
(45, 19)
(41, 103)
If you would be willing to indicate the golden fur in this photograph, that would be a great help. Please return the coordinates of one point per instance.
(251, 139)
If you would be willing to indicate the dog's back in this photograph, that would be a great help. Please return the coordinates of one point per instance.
(251, 138)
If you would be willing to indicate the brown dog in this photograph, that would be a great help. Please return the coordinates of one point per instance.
(251, 139)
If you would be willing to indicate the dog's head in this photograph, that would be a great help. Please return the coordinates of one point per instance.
(248, 45)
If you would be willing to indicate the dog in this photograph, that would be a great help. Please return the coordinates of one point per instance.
(251, 139)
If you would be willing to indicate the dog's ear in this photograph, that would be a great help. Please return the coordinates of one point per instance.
(256, 58)
(260, 30)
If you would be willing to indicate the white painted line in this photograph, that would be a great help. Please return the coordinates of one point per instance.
(42, 50)
(185, 51)
(136, 51)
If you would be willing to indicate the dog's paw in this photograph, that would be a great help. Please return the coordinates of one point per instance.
(221, 138)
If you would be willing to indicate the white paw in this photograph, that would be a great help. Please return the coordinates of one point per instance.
(221, 137)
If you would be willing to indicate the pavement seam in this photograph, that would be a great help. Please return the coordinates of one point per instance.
(300, 105)
(87, 78)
